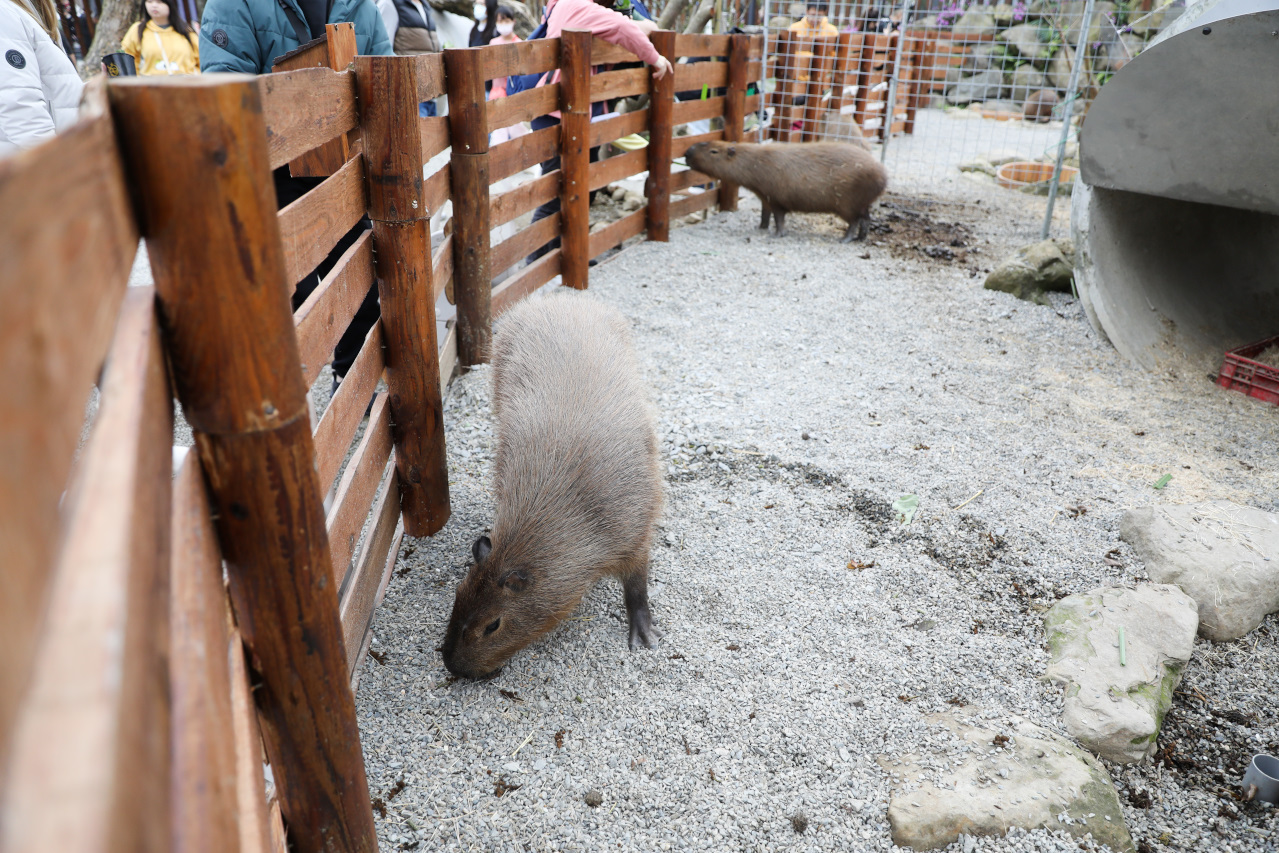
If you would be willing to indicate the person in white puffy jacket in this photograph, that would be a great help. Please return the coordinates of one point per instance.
(39, 87)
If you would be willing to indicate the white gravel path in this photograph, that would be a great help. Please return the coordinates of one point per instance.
(802, 388)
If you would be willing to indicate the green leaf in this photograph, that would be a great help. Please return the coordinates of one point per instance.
(905, 507)
(1162, 481)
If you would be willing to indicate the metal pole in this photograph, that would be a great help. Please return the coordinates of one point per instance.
(892, 83)
(1065, 119)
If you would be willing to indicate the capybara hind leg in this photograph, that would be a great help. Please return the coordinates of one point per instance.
(635, 585)
(856, 230)
(779, 216)
(764, 212)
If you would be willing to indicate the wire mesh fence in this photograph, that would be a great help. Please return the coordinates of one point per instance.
(948, 90)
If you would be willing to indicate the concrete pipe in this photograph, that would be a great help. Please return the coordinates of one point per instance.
(1176, 214)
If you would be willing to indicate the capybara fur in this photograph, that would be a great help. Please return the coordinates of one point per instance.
(576, 482)
(803, 177)
(1039, 106)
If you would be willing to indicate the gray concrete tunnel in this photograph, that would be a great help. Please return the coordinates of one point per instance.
(1175, 215)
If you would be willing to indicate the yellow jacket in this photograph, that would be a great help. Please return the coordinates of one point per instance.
(825, 28)
(162, 50)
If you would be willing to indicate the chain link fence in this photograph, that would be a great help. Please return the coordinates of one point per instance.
(946, 90)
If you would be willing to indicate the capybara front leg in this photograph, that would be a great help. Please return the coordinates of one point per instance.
(764, 212)
(778, 216)
(635, 585)
(856, 230)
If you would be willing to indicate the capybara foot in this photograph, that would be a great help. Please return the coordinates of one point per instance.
(642, 630)
(856, 231)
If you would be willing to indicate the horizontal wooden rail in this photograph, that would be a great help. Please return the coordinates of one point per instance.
(616, 233)
(515, 248)
(516, 155)
(619, 84)
(528, 195)
(685, 111)
(324, 316)
(686, 178)
(304, 109)
(523, 106)
(437, 190)
(442, 268)
(311, 226)
(366, 581)
(701, 45)
(618, 126)
(430, 75)
(91, 745)
(695, 75)
(692, 203)
(358, 487)
(613, 169)
(607, 53)
(435, 136)
(682, 143)
(529, 279)
(528, 57)
(345, 411)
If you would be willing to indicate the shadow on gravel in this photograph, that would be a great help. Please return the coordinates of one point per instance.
(915, 227)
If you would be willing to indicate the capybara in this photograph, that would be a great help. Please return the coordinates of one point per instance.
(576, 480)
(805, 177)
(1039, 106)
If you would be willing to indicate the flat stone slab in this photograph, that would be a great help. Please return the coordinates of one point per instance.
(1117, 694)
(1002, 774)
(1223, 555)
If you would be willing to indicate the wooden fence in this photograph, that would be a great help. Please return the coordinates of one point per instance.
(172, 636)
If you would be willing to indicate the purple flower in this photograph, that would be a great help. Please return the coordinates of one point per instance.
(1019, 11)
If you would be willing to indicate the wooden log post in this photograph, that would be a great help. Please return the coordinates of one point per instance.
(469, 174)
(392, 140)
(575, 162)
(661, 106)
(739, 50)
(214, 240)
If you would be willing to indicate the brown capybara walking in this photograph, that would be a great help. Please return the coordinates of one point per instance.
(804, 177)
(576, 480)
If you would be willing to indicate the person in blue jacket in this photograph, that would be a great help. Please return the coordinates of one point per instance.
(247, 36)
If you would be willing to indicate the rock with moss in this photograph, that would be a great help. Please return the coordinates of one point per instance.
(1025, 39)
(999, 773)
(1120, 654)
(1035, 269)
(1223, 554)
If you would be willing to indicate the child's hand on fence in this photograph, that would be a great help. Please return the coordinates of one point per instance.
(661, 68)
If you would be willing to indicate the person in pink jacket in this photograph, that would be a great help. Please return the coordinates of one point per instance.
(611, 26)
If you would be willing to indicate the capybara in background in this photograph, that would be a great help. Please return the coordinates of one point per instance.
(576, 480)
(804, 177)
(1039, 106)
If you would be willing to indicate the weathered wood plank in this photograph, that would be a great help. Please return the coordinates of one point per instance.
(358, 487)
(686, 111)
(526, 57)
(89, 765)
(304, 109)
(613, 169)
(661, 126)
(525, 197)
(618, 232)
(694, 75)
(701, 45)
(516, 155)
(618, 84)
(342, 418)
(575, 124)
(683, 143)
(528, 280)
(254, 811)
(618, 126)
(518, 246)
(442, 269)
(311, 226)
(325, 315)
(686, 178)
(523, 106)
(692, 203)
(360, 592)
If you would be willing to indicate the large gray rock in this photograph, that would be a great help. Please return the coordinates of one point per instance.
(1116, 696)
(978, 58)
(1026, 80)
(1075, 15)
(1034, 779)
(974, 23)
(1058, 71)
(982, 86)
(1035, 269)
(1025, 38)
(1223, 555)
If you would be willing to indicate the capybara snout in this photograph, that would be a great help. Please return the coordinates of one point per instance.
(807, 177)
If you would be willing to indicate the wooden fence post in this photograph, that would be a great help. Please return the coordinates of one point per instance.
(392, 136)
(469, 174)
(214, 240)
(734, 108)
(661, 106)
(575, 162)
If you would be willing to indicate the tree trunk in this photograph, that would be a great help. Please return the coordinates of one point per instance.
(117, 16)
(671, 14)
(700, 17)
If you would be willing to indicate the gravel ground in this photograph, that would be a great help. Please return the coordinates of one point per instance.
(802, 386)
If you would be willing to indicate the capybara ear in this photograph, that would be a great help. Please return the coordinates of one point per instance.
(732, 151)
(481, 549)
(516, 581)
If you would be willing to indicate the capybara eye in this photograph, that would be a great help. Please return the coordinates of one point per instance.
(493, 626)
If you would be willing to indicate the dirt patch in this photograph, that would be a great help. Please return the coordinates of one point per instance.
(918, 228)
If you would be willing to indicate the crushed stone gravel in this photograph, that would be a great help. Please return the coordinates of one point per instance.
(802, 386)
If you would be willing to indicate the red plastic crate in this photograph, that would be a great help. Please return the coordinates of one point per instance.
(1240, 372)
